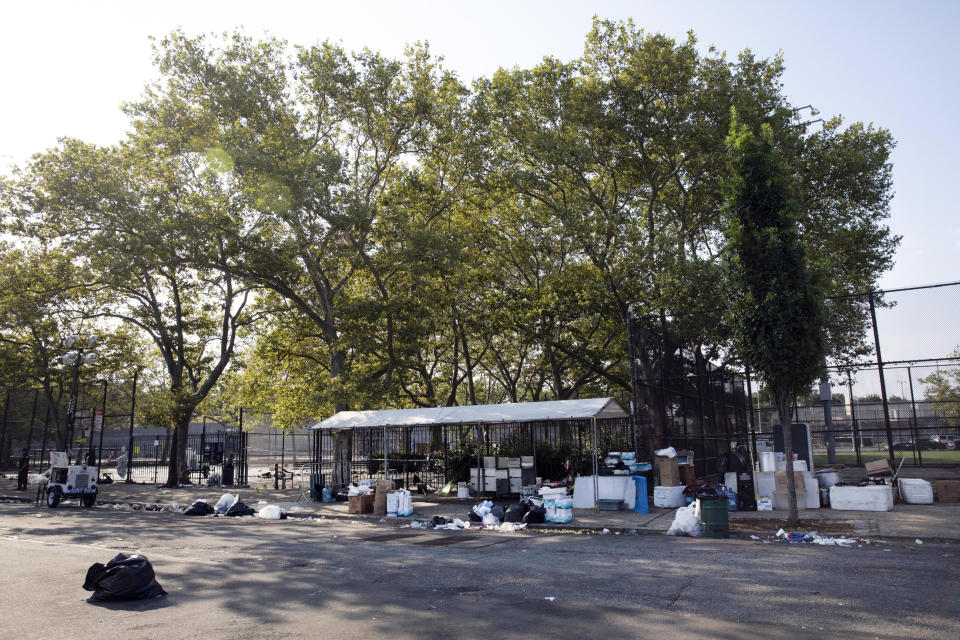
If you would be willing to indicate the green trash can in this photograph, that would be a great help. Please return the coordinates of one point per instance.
(714, 518)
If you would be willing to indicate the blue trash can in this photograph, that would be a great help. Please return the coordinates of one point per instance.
(642, 505)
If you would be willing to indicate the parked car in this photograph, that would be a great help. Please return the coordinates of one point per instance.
(909, 445)
(944, 442)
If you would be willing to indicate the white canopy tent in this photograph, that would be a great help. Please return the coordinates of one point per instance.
(476, 416)
(598, 408)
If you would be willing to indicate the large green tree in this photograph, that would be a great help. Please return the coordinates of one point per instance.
(128, 216)
(777, 311)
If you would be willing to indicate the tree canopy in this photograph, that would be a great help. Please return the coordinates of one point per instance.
(408, 240)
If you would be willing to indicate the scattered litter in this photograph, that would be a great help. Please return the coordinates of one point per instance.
(39, 515)
(753, 537)
(551, 598)
(815, 538)
(510, 527)
(918, 541)
(605, 532)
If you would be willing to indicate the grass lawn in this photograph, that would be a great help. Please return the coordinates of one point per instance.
(849, 458)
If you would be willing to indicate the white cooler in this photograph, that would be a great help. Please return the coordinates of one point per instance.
(669, 496)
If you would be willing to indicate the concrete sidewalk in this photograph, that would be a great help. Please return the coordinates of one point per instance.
(934, 522)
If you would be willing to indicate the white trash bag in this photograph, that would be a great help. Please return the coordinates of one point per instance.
(686, 522)
(269, 512)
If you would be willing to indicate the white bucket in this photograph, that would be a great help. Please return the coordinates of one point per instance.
(463, 492)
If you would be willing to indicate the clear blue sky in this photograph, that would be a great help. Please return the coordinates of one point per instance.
(68, 66)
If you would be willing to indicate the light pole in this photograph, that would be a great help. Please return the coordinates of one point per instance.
(75, 357)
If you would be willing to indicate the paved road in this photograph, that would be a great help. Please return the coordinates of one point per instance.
(246, 578)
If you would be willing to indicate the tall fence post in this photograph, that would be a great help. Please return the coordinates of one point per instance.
(916, 427)
(853, 419)
(883, 383)
(33, 416)
(133, 408)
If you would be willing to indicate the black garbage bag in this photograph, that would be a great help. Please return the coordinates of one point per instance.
(240, 509)
(516, 512)
(535, 515)
(498, 512)
(125, 577)
(437, 521)
(473, 517)
(199, 508)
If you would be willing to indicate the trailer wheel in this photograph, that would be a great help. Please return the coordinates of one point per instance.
(88, 499)
(54, 496)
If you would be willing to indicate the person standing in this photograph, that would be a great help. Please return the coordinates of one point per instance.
(23, 467)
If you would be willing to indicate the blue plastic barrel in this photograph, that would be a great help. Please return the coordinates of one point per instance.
(642, 505)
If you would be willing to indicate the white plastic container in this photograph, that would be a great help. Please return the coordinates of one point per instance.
(563, 510)
(669, 497)
(916, 491)
(393, 503)
(874, 497)
(768, 461)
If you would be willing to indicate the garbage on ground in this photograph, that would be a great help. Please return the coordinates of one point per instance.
(199, 508)
(239, 509)
(271, 512)
(124, 577)
(815, 538)
(686, 522)
(225, 502)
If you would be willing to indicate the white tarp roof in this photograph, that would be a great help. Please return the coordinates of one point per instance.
(480, 413)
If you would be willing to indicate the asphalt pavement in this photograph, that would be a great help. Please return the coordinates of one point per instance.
(331, 577)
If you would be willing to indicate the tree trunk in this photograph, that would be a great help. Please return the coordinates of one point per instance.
(177, 465)
(342, 454)
(783, 408)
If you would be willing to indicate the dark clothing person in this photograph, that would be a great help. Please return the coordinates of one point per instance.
(23, 467)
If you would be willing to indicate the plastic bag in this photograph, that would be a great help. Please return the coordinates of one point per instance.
(490, 520)
(405, 506)
(669, 452)
(270, 512)
(686, 522)
(535, 515)
(225, 502)
(240, 509)
(199, 508)
(124, 577)
(516, 512)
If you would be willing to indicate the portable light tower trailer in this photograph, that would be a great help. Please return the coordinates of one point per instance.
(65, 480)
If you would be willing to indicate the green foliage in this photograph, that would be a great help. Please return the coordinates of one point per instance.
(943, 389)
(417, 242)
(777, 307)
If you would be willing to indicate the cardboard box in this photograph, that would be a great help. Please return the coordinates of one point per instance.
(688, 477)
(362, 504)
(780, 481)
(879, 468)
(380, 497)
(948, 490)
(669, 471)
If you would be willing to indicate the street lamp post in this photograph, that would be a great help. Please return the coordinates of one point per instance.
(75, 357)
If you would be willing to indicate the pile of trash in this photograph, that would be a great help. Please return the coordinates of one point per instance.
(230, 505)
(815, 538)
(456, 524)
(527, 511)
